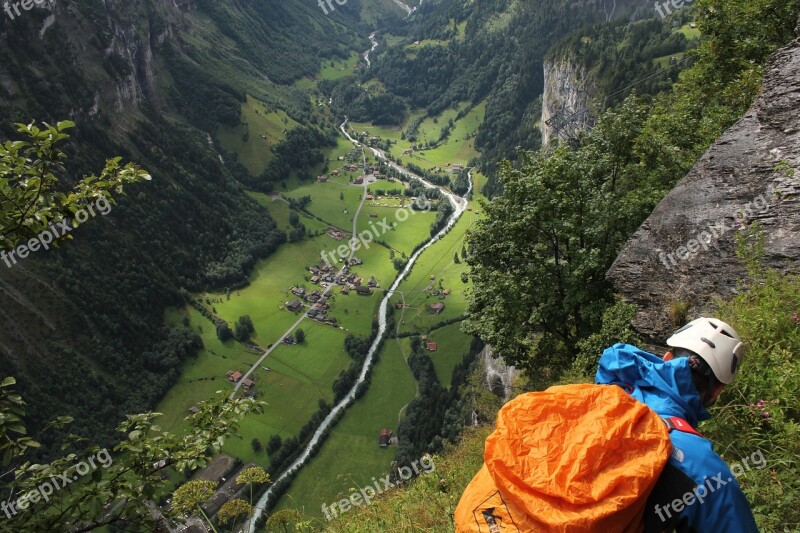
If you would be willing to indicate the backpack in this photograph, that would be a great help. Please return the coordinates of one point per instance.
(573, 458)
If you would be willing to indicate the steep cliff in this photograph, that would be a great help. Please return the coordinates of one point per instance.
(568, 90)
(684, 253)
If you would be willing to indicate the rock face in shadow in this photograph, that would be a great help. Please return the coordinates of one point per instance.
(685, 251)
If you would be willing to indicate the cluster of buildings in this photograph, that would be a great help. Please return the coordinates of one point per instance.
(234, 376)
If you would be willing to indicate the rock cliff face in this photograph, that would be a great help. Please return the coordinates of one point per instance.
(568, 87)
(685, 251)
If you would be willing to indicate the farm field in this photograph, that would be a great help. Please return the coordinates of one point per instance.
(300, 376)
(330, 475)
(452, 346)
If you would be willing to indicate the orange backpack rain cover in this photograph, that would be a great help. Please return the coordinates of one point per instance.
(574, 458)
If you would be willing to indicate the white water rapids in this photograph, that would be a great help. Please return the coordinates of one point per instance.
(459, 205)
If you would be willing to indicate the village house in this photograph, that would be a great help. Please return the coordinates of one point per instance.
(431, 346)
(234, 377)
(356, 261)
(322, 179)
(335, 172)
(294, 305)
(314, 279)
(313, 296)
(359, 180)
(193, 409)
(437, 308)
(248, 383)
(372, 282)
(363, 291)
(298, 291)
(288, 340)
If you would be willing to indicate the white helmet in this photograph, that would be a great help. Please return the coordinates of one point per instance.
(715, 342)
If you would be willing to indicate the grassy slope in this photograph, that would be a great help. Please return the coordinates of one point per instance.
(427, 503)
(332, 472)
(257, 119)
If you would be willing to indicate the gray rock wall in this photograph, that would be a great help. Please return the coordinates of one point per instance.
(685, 250)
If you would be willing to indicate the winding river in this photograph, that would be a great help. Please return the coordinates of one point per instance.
(459, 205)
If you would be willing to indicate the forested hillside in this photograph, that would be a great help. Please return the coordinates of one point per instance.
(82, 326)
(489, 51)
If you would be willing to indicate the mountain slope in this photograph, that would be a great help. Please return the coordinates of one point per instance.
(82, 327)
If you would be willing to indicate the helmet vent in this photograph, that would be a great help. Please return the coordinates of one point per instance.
(734, 363)
(705, 340)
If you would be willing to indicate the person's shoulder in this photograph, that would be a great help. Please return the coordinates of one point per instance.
(695, 456)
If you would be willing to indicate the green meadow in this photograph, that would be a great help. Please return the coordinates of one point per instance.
(331, 474)
(260, 128)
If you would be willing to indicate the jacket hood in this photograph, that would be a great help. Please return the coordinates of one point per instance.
(665, 386)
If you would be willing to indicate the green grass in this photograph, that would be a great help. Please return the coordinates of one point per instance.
(437, 261)
(279, 209)
(246, 139)
(689, 32)
(337, 69)
(453, 345)
(427, 504)
(329, 475)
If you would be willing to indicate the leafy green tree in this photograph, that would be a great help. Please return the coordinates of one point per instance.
(274, 444)
(256, 445)
(30, 170)
(300, 335)
(224, 332)
(130, 477)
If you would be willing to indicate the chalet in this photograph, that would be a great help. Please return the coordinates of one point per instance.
(363, 291)
(288, 340)
(372, 282)
(298, 291)
(234, 377)
(193, 409)
(322, 179)
(446, 292)
(345, 291)
(335, 172)
(359, 180)
(370, 197)
(384, 438)
(373, 215)
(431, 346)
(315, 279)
(437, 308)
(399, 305)
(294, 305)
(313, 296)
(408, 151)
(314, 270)
(356, 261)
(248, 383)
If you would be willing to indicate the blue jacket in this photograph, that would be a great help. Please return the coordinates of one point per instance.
(697, 491)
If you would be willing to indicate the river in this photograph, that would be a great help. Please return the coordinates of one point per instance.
(459, 206)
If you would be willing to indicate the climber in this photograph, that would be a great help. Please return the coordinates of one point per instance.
(696, 491)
